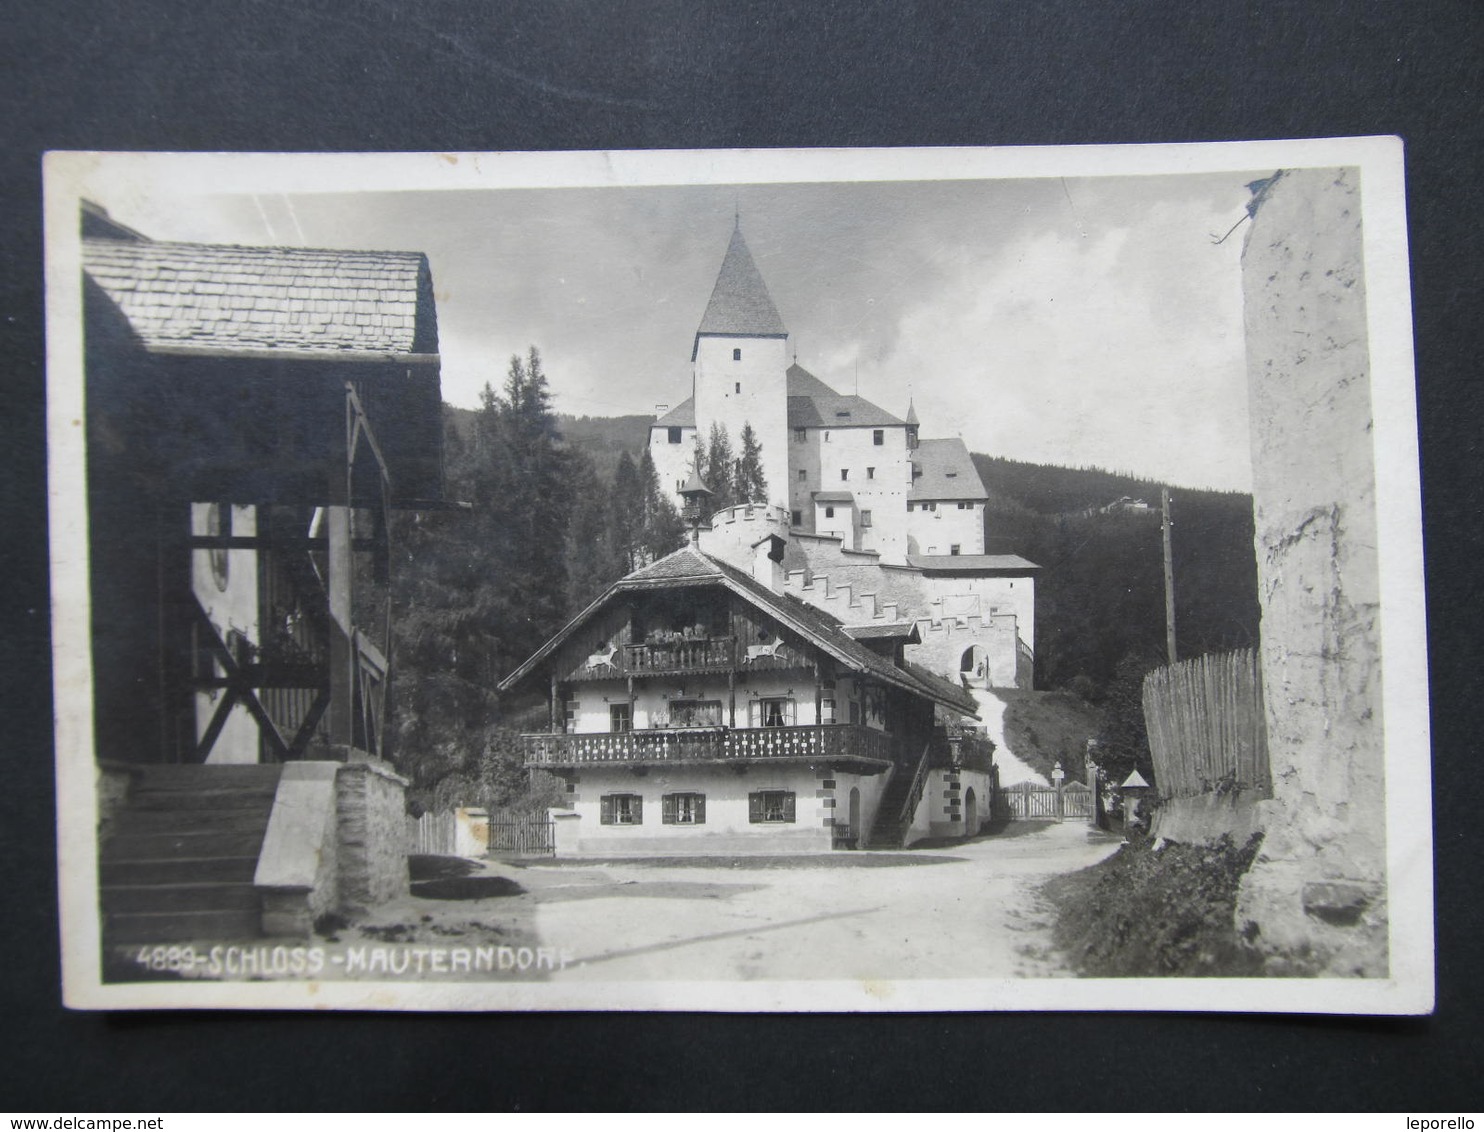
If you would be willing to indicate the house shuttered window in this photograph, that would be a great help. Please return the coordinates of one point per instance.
(683, 809)
(766, 807)
(621, 809)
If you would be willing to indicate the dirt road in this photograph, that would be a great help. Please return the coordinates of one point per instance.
(965, 911)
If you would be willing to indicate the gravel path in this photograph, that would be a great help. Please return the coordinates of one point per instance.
(968, 911)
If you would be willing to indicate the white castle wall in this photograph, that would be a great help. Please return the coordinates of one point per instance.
(750, 389)
(877, 475)
(947, 524)
(672, 462)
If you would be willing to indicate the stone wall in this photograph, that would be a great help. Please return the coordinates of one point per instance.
(1315, 900)
(371, 807)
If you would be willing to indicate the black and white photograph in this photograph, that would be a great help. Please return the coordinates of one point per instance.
(772, 580)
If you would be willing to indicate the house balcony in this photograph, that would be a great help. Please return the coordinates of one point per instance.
(688, 656)
(851, 744)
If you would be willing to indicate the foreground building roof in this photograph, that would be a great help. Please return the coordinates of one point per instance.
(691, 567)
(212, 297)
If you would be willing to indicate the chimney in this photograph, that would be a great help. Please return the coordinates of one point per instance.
(767, 562)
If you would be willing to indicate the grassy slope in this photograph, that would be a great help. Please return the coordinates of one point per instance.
(1043, 728)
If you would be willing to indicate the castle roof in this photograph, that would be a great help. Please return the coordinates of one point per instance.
(214, 297)
(740, 305)
(971, 563)
(690, 566)
(943, 469)
(813, 404)
(682, 415)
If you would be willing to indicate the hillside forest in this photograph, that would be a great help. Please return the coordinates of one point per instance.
(555, 508)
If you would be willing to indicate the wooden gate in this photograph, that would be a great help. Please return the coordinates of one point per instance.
(1028, 801)
(522, 837)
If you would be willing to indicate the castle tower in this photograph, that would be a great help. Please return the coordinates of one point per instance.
(740, 366)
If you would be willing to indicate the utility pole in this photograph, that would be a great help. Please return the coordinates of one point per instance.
(1164, 502)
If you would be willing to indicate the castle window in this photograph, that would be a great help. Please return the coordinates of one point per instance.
(953, 549)
(829, 512)
(870, 473)
(738, 384)
(619, 718)
(737, 354)
(878, 437)
(796, 518)
(865, 518)
(673, 435)
(844, 473)
(803, 475)
(621, 809)
(801, 435)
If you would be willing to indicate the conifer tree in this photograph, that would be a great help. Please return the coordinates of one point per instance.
(664, 530)
(720, 468)
(594, 558)
(748, 481)
(628, 512)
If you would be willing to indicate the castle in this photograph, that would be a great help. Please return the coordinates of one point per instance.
(879, 526)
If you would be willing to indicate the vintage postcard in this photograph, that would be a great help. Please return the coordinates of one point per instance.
(855, 580)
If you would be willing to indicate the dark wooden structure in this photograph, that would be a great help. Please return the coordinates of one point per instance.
(297, 391)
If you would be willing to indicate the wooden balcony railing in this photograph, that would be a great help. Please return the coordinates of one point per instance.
(687, 655)
(838, 742)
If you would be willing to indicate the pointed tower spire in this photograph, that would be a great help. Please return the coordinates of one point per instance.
(911, 412)
(740, 304)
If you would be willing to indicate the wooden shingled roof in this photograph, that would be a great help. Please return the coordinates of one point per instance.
(689, 566)
(222, 298)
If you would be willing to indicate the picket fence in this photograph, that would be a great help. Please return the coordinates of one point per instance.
(431, 834)
(1207, 729)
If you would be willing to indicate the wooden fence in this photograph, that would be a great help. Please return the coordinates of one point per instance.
(1207, 729)
(522, 836)
(431, 833)
(504, 834)
(1029, 801)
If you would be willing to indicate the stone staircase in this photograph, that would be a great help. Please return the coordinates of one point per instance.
(178, 859)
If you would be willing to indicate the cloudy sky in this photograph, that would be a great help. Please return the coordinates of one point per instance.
(1080, 321)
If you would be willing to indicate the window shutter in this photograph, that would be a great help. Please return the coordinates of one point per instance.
(638, 809)
(788, 806)
(667, 809)
(605, 813)
(754, 808)
(700, 809)
(790, 712)
(754, 716)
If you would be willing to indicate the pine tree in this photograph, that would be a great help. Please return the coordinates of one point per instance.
(628, 511)
(720, 469)
(594, 560)
(479, 590)
(663, 528)
(748, 481)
